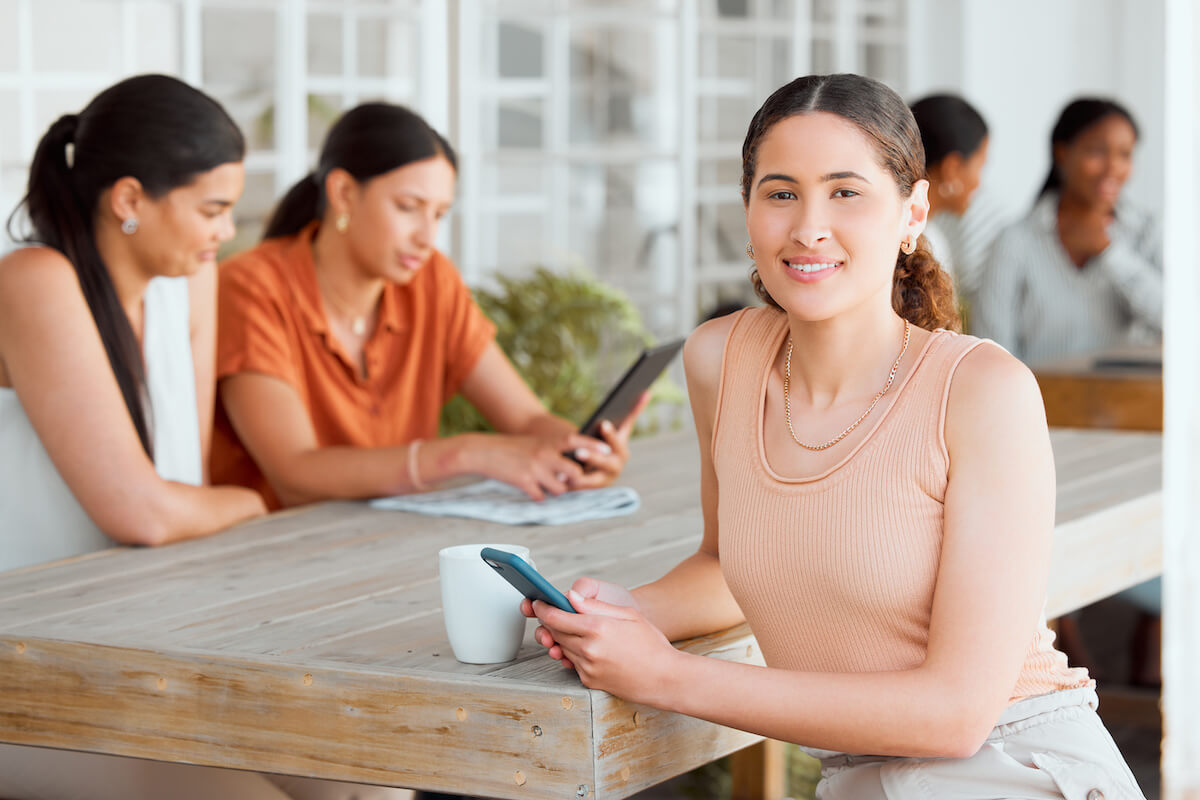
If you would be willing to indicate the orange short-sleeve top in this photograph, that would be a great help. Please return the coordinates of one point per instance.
(271, 320)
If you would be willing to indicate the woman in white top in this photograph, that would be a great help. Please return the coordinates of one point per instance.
(1082, 272)
(955, 138)
(107, 337)
(107, 327)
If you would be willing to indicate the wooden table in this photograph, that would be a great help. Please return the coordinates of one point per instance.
(1113, 389)
(311, 643)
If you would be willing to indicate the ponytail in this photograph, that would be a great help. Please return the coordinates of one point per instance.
(62, 219)
(303, 203)
(154, 128)
(922, 292)
(367, 141)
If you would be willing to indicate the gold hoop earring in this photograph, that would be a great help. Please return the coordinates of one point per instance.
(750, 250)
(342, 222)
(908, 246)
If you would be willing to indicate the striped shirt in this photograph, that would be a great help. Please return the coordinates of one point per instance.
(1036, 303)
(961, 243)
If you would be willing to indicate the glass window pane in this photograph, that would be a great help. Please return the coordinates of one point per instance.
(823, 60)
(239, 68)
(514, 178)
(725, 119)
(620, 93)
(724, 172)
(520, 51)
(521, 242)
(157, 37)
(9, 41)
(324, 44)
(373, 46)
(721, 233)
(323, 109)
(624, 217)
(251, 212)
(10, 132)
(71, 36)
(882, 61)
(513, 124)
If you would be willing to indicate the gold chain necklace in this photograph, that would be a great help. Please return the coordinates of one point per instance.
(356, 323)
(787, 403)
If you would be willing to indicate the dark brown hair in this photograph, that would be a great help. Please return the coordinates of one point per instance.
(922, 292)
(152, 127)
(367, 141)
(1077, 117)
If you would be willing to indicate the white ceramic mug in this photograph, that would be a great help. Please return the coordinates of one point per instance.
(482, 611)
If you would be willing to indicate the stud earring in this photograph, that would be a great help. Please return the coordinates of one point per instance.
(750, 250)
(342, 222)
(907, 247)
(129, 226)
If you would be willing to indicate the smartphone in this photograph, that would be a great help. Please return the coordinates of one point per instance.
(524, 578)
(637, 379)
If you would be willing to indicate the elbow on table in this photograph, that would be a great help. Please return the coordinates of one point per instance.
(143, 528)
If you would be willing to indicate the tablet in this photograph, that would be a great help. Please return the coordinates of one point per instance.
(637, 379)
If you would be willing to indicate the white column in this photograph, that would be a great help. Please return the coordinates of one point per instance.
(191, 20)
(1181, 441)
(433, 89)
(291, 95)
(469, 144)
(688, 286)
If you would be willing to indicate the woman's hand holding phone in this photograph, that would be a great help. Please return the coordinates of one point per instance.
(609, 642)
(604, 460)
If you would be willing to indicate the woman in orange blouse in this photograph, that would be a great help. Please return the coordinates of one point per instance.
(343, 334)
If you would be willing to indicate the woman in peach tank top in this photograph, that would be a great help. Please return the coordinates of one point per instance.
(878, 497)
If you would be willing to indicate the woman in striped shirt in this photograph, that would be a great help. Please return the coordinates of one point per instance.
(1083, 271)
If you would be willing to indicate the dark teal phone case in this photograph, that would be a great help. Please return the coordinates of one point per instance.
(524, 578)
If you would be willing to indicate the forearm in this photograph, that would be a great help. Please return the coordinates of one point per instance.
(915, 713)
(690, 600)
(1136, 280)
(173, 512)
(544, 424)
(355, 473)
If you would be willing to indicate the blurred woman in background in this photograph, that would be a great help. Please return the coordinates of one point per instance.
(1083, 271)
(346, 331)
(955, 138)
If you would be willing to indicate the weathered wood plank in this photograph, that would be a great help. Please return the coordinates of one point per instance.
(638, 746)
(523, 740)
(1099, 555)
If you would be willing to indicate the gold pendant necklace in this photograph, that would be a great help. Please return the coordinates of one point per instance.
(787, 403)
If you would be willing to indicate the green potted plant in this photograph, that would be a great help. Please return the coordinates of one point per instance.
(570, 337)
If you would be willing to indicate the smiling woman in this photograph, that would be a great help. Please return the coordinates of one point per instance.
(1083, 271)
(345, 332)
(878, 499)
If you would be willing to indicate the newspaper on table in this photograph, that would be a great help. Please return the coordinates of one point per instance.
(498, 502)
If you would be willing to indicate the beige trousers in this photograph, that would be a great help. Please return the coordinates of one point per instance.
(1051, 747)
(38, 773)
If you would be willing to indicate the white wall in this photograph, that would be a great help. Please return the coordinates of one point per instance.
(1020, 61)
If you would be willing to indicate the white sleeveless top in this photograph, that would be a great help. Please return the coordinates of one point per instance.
(40, 519)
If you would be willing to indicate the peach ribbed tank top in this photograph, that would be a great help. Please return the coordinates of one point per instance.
(835, 572)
